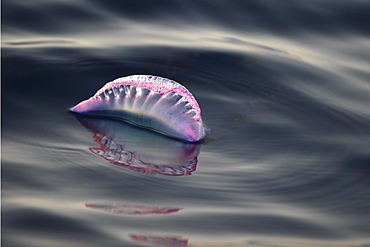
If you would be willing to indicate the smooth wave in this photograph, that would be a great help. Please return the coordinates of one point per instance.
(283, 88)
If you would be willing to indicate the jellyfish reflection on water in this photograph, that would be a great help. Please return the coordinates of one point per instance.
(140, 150)
(129, 209)
(121, 208)
(160, 241)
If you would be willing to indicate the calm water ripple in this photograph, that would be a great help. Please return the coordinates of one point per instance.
(283, 88)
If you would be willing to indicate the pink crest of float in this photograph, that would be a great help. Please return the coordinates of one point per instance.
(156, 84)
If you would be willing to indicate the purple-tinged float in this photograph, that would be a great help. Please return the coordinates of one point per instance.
(149, 101)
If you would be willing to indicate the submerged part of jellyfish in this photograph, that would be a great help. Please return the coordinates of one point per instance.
(152, 102)
(140, 150)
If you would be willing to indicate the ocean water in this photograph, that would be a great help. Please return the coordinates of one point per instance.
(284, 87)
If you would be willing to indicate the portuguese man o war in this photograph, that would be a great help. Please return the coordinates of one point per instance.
(152, 102)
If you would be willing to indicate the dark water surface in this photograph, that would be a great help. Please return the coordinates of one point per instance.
(284, 87)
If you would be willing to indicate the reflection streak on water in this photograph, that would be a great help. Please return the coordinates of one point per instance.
(120, 208)
(160, 241)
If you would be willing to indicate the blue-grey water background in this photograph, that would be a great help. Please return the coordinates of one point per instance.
(284, 87)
